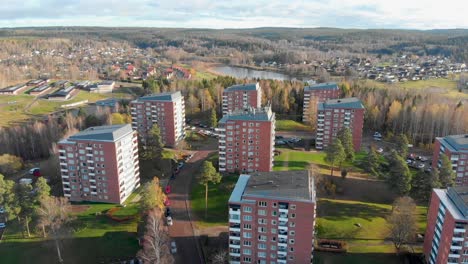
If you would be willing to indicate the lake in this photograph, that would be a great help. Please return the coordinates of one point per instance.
(242, 73)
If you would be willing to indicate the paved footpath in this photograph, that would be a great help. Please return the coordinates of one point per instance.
(183, 229)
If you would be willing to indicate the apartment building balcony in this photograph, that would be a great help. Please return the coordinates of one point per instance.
(61, 151)
(67, 195)
(456, 247)
(282, 261)
(234, 227)
(92, 180)
(66, 188)
(63, 170)
(94, 193)
(283, 228)
(234, 235)
(459, 230)
(63, 163)
(454, 255)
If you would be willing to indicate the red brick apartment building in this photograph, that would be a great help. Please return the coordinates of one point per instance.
(455, 147)
(100, 164)
(242, 97)
(336, 114)
(318, 93)
(446, 240)
(272, 218)
(167, 110)
(246, 141)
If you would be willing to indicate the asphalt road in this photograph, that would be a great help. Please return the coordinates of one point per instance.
(183, 230)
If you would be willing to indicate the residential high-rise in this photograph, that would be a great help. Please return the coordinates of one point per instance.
(167, 110)
(455, 147)
(272, 218)
(445, 240)
(333, 115)
(246, 141)
(242, 97)
(100, 164)
(318, 93)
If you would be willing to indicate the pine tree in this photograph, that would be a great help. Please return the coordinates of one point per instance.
(208, 175)
(346, 138)
(213, 118)
(402, 145)
(446, 174)
(154, 144)
(399, 176)
(373, 163)
(335, 154)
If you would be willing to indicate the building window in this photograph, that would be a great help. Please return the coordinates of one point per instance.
(262, 229)
(261, 255)
(273, 222)
(262, 246)
(247, 251)
(248, 226)
(292, 224)
(247, 218)
(262, 204)
(247, 235)
(247, 209)
(247, 243)
(262, 221)
(274, 213)
(247, 259)
(293, 215)
(293, 207)
(273, 230)
(261, 212)
(262, 238)
(291, 241)
(274, 205)
(292, 233)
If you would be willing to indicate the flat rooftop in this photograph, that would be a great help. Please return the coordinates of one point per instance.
(103, 133)
(455, 200)
(243, 87)
(456, 143)
(168, 97)
(348, 103)
(322, 86)
(287, 185)
(254, 114)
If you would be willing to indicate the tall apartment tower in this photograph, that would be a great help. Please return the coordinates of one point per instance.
(272, 218)
(315, 94)
(246, 141)
(100, 164)
(455, 147)
(167, 110)
(336, 114)
(445, 240)
(242, 97)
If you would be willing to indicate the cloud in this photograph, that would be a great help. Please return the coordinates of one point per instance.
(416, 14)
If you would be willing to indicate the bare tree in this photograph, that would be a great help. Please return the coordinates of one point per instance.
(219, 257)
(402, 222)
(54, 215)
(155, 241)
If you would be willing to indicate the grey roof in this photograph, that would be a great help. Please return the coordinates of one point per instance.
(108, 102)
(258, 114)
(322, 86)
(459, 196)
(243, 87)
(456, 143)
(287, 185)
(13, 88)
(103, 133)
(168, 96)
(351, 102)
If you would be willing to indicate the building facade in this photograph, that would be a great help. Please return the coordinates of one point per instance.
(318, 93)
(455, 147)
(333, 115)
(445, 240)
(272, 218)
(100, 164)
(167, 110)
(242, 97)
(246, 141)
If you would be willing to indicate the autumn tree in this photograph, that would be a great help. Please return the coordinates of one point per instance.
(155, 241)
(208, 175)
(118, 119)
(402, 222)
(10, 164)
(346, 138)
(41, 190)
(25, 200)
(446, 173)
(213, 118)
(399, 175)
(402, 142)
(152, 196)
(8, 199)
(335, 154)
(54, 216)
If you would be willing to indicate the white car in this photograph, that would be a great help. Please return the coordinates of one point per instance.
(421, 165)
(31, 171)
(380, 150)
(2, 210)
(169, 221)
(173, 247)
(2, 225)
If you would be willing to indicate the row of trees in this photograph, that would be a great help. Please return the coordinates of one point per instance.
(26, 203)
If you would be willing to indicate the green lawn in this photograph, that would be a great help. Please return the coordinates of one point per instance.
(355, 258)
(290, 125)
(96, 239)
(218, 196)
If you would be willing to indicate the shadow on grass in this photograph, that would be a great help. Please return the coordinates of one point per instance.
(111, 247)
(337, 211)
(364, 258)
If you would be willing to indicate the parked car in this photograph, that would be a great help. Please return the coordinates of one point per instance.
(377, 134)
(380, 150)
(169, 220)
(428, 169)
(408, 161)
(167, 190)
(2, 225)
(377, 138)
(167, 202)
(31, 171)
(25, 181)
(2, 210)
(421, 165)
(422, 158)
(173, 247)
(167, 212)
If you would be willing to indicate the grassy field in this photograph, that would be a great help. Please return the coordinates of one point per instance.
(96, 239)
(290, 125)
(218, 196)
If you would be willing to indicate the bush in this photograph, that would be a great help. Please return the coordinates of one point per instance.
(10, 164)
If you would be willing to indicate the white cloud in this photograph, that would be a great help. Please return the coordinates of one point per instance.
(417, 14)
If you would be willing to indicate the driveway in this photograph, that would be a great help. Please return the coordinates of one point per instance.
(183, 229)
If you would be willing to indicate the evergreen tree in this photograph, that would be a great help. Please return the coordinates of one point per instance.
(402, 145)
(335, 154)
(446, 173)
(25, 199)
(399, 176)
(154, 144)
(8, 199)
(213, 118)
(42, 189)
(208, 175)
(346, 138)
(373, 163)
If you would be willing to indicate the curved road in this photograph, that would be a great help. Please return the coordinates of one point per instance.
(183, 229)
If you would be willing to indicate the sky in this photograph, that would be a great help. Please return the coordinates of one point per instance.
(397, 14)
